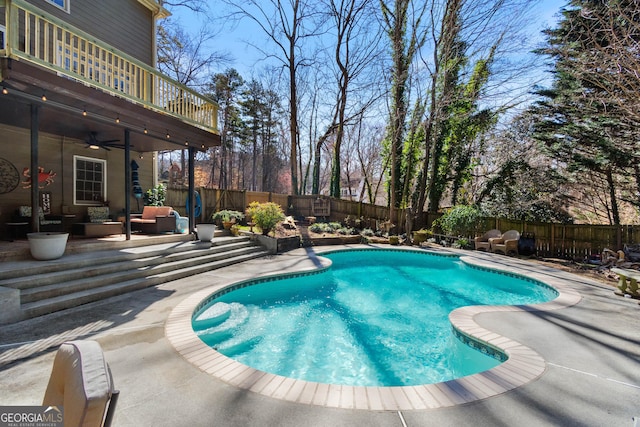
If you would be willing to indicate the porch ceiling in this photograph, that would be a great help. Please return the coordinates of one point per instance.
(66, 99)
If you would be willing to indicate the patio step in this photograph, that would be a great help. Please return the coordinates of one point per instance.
(79, 279)
(121, 263)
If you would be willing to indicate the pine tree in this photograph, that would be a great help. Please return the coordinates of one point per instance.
(578, 122)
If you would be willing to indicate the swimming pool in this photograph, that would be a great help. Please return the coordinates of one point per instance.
(375, 318)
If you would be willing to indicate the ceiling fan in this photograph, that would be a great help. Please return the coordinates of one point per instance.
(94, 143)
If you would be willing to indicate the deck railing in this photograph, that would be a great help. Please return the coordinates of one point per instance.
(35, 36)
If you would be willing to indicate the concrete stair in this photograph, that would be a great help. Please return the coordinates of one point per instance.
(82, 278)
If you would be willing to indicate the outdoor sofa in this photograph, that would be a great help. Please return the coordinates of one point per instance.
(154, 220)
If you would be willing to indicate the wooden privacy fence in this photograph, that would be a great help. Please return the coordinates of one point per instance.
(569, 241)
(214, 200)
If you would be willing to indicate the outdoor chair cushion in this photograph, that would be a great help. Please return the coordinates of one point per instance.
(98, 213)
(482, 243)
(81, 383)
(154, 219)
(24, 214)
(507, 243)
(151, 212)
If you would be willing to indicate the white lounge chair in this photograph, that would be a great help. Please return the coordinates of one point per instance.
(81, 383)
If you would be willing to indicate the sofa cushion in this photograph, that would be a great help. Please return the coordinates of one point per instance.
(25, 211)
(98, 213)
(151, 212)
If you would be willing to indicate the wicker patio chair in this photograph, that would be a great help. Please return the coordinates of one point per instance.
(482, 243)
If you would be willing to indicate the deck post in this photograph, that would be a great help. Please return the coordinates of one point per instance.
(127, 184)
(35, 203)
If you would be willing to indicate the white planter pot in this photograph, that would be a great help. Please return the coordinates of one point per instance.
(46, 246)
(205, 232)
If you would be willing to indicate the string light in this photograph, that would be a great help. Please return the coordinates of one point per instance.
(5, 91)
(44, 97)
(145, 130)
(168, 136)
(118, 119)
(84, 112)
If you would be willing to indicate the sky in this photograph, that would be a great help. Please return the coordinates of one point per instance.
(244, 58)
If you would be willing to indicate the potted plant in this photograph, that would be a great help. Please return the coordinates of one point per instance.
(227, 217)
(47, 245)
(205, 231)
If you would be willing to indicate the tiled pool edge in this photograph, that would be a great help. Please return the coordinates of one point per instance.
(523, 366)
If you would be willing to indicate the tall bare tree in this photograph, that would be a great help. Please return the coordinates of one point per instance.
(464, 40)
(286, 24)
(355, 50)
(199, 6)
(403, 22)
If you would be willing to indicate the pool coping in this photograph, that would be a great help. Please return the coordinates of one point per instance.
(523, 366)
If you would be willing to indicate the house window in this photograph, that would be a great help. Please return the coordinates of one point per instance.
(2, 31)
(62, 4)
(89, 180)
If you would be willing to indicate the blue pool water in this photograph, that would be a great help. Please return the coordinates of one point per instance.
(374, 318)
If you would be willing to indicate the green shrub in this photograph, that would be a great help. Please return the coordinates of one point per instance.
(367, 232)
(346, 231)
(321, 227)
(155, 196)
(227, 215)
(461, 243)
(265, 215)
(335, 226)
(316, 227)
(353, 222)
(461, 220)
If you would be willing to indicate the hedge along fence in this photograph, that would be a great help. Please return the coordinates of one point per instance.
(569, 241)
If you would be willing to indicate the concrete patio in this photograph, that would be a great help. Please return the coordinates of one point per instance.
(591, 350)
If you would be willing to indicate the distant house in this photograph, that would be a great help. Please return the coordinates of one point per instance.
(81, 99)
(355, 190)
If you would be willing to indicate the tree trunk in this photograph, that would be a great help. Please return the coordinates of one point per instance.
(614, 200)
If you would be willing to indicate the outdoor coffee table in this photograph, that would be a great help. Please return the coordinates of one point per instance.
(97, 229)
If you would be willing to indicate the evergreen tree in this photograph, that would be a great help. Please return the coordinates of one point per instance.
(578, 123)
(225, 90)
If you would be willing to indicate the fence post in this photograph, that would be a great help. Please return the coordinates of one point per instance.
(619, 236)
